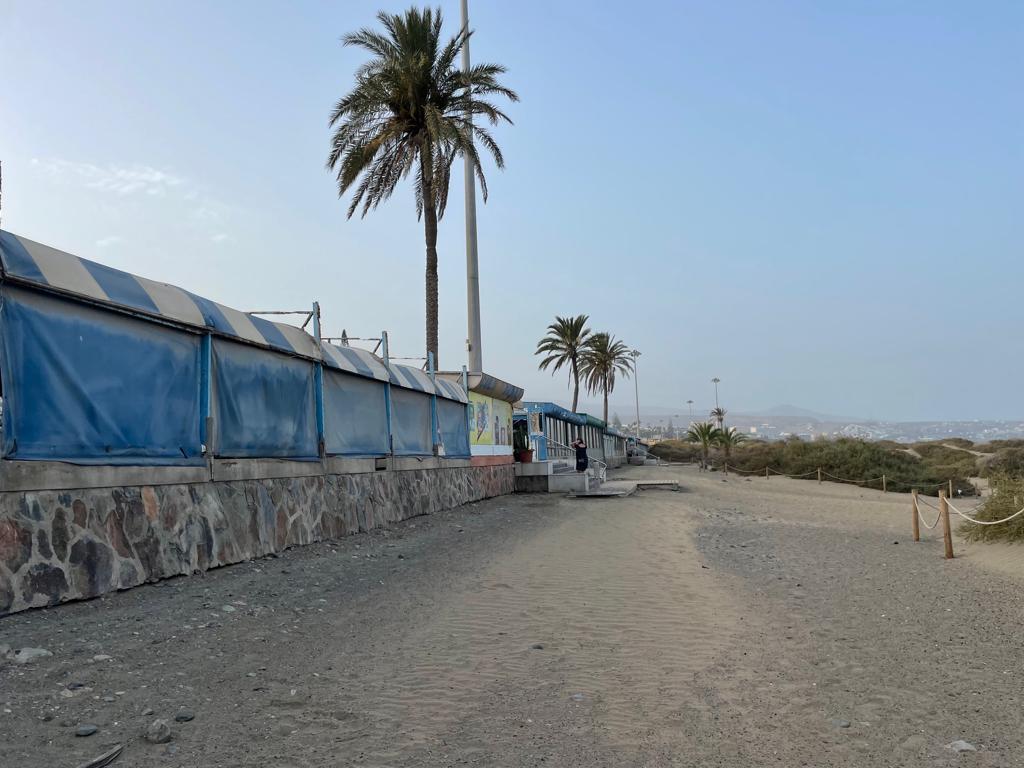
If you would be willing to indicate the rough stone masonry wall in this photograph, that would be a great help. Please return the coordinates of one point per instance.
(66, 545)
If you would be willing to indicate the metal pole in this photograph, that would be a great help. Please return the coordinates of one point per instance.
(473, 341)
(636, 386)
(715, 382)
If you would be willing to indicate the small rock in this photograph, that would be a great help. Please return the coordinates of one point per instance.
(147, 712)
(158, 732)
(46, 717)
(28, 655)
(102, 657)
(537, 646)
(838, 723)
(961, 746)
(185, 715)
(914, 743)
(228, 608)
(86, 729)
(401, 557)
(577, 697)
(108, 699)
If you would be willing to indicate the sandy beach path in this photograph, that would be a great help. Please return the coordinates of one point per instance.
(733, 623)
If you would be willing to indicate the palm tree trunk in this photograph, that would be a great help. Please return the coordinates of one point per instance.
(430, 232)
(575, 384)
(606, 401)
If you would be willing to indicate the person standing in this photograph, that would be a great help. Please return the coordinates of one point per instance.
(582, 461)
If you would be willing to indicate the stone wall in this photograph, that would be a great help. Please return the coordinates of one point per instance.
(67, 545)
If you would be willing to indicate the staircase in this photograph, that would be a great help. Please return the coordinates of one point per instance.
(565, 479)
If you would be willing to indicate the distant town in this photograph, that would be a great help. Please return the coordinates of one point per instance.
(787, 423)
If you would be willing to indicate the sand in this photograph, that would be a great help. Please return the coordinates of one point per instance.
(737, 623)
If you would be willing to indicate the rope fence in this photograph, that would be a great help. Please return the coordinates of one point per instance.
(942, 510)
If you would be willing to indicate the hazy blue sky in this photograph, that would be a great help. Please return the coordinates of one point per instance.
(822, 203)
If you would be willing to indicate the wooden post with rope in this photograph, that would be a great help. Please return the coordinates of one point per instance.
(885, 488)
(819, 474)
(915, 512)
(947, 533)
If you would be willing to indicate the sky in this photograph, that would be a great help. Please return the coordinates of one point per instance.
(821, 204)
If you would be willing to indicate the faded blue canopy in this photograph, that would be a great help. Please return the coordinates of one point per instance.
(26, 262)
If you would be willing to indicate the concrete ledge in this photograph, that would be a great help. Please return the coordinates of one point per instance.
(57, 476)
(534, 469)
(257, 469)
(570, 482)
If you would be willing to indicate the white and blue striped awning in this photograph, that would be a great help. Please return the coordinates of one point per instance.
(28, 262)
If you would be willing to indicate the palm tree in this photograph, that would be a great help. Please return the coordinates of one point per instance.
(567, 338)
(718, 414)
(706, 434)
(412, 111)
(727, 440)
(603, 358)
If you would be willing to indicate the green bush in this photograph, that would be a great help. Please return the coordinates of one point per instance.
(1006, 461)
(998, 445)
(1007, 497)
(856, 460)
(676, 451)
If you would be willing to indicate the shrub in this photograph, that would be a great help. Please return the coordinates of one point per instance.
(1006, 461)
(676, 450)
(853, 459)
(1007, 497)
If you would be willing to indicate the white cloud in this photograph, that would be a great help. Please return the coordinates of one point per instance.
(120, 180)
(221, 237)
(105, 242)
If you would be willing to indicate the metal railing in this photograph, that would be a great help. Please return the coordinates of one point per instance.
(559, 450)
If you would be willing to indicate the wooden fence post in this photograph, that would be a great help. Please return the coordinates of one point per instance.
(819, 474)
(947, 533)
(884, 487)
(914, 512)
(951, 488)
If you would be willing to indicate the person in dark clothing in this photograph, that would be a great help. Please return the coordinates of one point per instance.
(582, 462)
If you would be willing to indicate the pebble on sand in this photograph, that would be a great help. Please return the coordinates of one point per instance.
(158, 732)
(840, 723)
(184, 715)
(86, 729)
(961, 746)
(28, 655)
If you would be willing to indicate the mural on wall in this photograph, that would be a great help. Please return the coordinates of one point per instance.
(490, 421)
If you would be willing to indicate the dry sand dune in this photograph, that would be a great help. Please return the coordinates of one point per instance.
(736, 623)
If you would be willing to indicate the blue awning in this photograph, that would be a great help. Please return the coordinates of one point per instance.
(30, 263)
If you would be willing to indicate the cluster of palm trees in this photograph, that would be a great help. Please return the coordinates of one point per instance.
(709, 434)
(596, 359)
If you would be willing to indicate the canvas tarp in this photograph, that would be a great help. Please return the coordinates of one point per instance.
(355, 416)
(88, 386)
(264, 404)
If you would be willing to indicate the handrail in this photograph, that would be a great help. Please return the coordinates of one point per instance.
(602, 468)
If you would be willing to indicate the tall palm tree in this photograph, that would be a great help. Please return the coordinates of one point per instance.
(706, 435)
(727, 440)
(718, 414)
(412, 111)
(564, 344)
(603, 359)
